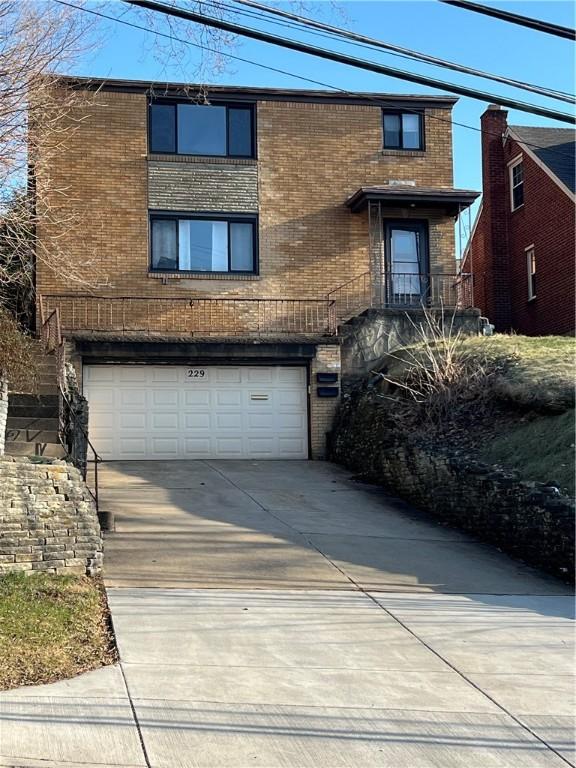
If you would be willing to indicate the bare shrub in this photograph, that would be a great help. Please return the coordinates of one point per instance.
(18, 359)
(439, 375)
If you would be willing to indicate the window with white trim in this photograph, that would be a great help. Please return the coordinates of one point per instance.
(531, 266)
(516, 184)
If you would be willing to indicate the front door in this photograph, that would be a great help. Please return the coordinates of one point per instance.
(406, 276)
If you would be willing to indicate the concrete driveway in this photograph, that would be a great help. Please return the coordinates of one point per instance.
(280, 614)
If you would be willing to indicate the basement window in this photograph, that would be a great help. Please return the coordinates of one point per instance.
(212, 130)
(197, 243)
(403, 130)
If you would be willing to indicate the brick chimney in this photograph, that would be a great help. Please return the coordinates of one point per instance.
(496, 208)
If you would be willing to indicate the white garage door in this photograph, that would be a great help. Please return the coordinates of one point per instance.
(177, 412)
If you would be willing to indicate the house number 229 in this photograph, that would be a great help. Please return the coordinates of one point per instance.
(195, 373)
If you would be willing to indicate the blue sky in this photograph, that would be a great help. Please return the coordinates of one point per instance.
(431, 27)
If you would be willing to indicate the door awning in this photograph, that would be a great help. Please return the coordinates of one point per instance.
(452, 201)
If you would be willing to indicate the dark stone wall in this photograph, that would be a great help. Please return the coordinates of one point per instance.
(529, 521)
(369, 337)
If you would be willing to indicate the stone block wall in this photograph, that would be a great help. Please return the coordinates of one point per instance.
(48, 520)
(3, 414)
(529, 521)
(366, 339)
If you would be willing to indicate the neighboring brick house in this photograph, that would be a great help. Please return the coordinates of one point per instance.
(522, 245)
(234, 229)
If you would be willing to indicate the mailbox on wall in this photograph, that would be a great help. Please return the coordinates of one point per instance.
(327, 391)
(326, 378)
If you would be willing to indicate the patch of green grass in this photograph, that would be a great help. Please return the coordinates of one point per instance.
(541, 449)
(541, 370)
(51, 628)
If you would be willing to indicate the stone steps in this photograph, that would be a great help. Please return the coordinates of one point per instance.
(32, 426)
(24, 448)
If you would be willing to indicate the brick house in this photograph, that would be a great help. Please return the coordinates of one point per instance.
(522, 245)
(234, 230)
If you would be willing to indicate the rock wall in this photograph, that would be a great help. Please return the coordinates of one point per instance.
(48, 520)
(3, 414)
(530, 521)
(367, 338)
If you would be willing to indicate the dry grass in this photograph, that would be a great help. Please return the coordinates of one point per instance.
(51, 628)
(507, 399)
(530, 373)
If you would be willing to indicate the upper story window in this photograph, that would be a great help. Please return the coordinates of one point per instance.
(403, 130)
(516, 170)
(531, 264)
(199, 129)
(201, 243)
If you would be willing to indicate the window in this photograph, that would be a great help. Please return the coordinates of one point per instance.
(517, 184)
(403, 130)
(202, 244)
(531, 264)
(201, 129)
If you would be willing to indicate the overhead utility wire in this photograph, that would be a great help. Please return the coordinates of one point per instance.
(369, 42)
(515, 18)
(341, 58)
(379, 102)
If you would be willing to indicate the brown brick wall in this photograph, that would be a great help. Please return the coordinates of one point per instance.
(497, 254)
(311, 157)
(322, 410)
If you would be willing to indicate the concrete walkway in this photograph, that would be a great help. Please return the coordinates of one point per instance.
(279, 614)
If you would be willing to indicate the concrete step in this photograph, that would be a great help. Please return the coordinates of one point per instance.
(22, 400)
(33, 411)
(32, 436)
(21, 448)
(16, 422)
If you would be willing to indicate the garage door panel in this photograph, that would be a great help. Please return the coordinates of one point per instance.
(164, 447)
(132, 420)
(197, 448)
(228, 421)
(196, 421)
(259, 375)
(227, 375)
(135, 374)
(132, 397)
(162, 412)
(197, 397)
(164, 397)
(132, 447)
(165, 420)
(291, 445)
(260, 421)
(291, 376)
(228, 446)
(167, 375)
(290, 398)
(228, 398)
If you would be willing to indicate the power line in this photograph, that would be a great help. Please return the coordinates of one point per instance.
(371, 43)
(341, 58)
(515, 18)
(379, 102)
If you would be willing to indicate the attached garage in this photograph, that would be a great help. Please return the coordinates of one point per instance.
(197, 412)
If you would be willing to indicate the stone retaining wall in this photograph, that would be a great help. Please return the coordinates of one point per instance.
(530, 521)
(48, 520)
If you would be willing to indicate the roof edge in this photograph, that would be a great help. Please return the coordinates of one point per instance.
(540, 163)
(166, 89)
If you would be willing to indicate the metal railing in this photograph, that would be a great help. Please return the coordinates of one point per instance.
(195, 317)
(72, 435)
(403, 291)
